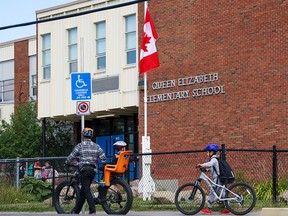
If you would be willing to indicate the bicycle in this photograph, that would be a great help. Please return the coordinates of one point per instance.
(114, 193)
(239, 198)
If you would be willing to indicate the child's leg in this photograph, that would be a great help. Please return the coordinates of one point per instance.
(211, 199)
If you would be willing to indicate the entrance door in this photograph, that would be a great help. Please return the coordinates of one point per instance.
(105, 144)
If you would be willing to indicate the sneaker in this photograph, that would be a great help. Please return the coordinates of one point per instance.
(207, 211)
(225, 211)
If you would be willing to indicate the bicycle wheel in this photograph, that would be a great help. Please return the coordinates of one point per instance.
(117, 198)
(242, 198)
(65, 197)
(190, 199)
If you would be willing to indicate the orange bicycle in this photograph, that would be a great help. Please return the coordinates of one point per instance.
(114, 194)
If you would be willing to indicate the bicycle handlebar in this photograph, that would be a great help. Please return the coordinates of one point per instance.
(72, 165)
(203, 169)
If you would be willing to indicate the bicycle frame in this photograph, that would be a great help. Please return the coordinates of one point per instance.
(212, 185)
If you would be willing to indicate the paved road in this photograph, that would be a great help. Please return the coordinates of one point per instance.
(131, 213)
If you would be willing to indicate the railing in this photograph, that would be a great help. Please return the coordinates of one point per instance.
(169, 170)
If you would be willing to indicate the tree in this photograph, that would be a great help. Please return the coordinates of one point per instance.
(59, 137)
(22, 137)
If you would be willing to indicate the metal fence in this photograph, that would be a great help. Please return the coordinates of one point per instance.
(265, 168)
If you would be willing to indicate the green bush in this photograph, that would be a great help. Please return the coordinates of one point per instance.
(39, 189)
(240, 177)
(264, 189)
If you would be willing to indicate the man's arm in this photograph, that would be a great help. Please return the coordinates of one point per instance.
(72, 155)
(102, 155)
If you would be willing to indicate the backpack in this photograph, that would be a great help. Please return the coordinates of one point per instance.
(226, 174)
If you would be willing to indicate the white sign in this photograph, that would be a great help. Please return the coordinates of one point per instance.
(83, 108)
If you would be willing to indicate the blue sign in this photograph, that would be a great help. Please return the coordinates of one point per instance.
(81, 86)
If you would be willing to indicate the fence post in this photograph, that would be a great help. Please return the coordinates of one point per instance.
(53, 181)
(223, 152)
(17, 172)
(274, 174)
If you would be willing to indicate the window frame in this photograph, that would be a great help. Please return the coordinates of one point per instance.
(128, 33)
(4, 91)
(98, 40)
(71, 45)
(46, 52)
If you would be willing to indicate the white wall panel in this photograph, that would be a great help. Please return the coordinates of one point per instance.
(6, 52)
(6, 111)
(32, 47)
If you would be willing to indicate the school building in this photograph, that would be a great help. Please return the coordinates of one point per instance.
(104, 44)
(222, 75)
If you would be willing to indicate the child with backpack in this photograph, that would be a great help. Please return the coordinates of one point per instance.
(213, 165)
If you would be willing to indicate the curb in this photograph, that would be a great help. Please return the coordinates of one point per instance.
(274, 211)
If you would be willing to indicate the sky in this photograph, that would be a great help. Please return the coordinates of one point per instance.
(21, 11)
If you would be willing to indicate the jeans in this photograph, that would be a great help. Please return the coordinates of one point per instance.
(86, 177)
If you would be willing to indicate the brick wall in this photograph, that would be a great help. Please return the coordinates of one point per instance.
(21, 76)
(245, 42)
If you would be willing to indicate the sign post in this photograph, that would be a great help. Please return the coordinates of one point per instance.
(81, 91)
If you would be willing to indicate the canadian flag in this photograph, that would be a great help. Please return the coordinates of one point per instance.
(148, 54)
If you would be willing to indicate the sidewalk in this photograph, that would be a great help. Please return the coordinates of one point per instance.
(131, 213)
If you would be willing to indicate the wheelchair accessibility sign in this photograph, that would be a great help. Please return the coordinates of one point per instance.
(81, 86)
(83, 108)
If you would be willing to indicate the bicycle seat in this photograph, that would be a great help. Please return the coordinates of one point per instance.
(120, 167)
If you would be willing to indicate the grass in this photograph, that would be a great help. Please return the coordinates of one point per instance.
(11, 195)
(27, 207)
(13, 200)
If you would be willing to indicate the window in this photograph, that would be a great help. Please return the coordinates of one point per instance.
(101, 45)
(130, 33)
(72, 50)
(33, 85)
(118, 126)
(105, 84)
(7, 81)
(7, 90)
(46, 55)
(32, 74)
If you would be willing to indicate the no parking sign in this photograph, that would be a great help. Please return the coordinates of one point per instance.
(83, 108)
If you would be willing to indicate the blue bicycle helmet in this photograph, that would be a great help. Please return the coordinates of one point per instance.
(87, 132)
(212, 147)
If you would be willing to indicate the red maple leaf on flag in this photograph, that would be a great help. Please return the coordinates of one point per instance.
(146, 40)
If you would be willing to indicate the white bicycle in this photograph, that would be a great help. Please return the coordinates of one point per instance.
(239, 198)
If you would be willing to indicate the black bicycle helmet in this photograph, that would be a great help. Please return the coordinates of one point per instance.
(87, 132)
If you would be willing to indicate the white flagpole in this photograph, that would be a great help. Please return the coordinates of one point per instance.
(146, 184)
(145, 104)
(145, 86)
